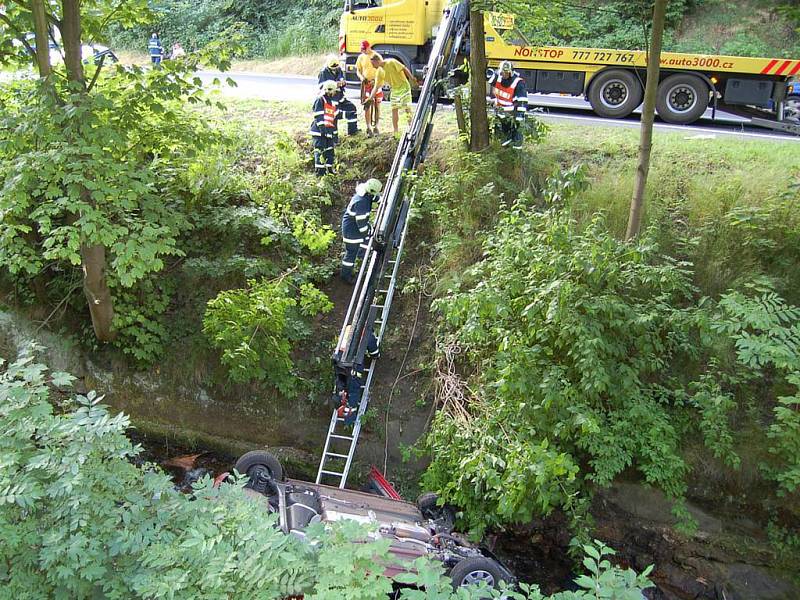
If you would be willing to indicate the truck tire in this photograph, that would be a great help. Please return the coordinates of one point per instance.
(472, 571)
(682, 98)
(793, 108)
(255, 460)
(615, 93)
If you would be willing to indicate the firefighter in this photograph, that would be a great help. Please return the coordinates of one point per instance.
(350, 394)
(155, 49)
(367, 74)
(323, 128)
(333, 72)
(356, 227)
(511, 104)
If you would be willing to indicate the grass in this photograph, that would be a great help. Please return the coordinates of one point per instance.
(309, 64)
(724, 204)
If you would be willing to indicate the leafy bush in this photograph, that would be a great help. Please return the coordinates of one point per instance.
(567, 356)
(570, 332)
(78, 519)
(255, 327)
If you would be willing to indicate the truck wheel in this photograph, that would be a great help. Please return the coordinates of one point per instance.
(615, 94)
(472, 571)
(793, 108)
(682, 99)
(249, 464)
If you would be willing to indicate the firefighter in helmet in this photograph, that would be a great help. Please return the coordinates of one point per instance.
(333, 72)
(355, 225)
(323, 128)
(510, 98)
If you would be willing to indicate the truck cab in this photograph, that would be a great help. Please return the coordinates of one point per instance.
(400, 29)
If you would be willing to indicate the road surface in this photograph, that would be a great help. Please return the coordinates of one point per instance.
(554, 108)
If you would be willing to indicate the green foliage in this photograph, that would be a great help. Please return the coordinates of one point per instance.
(255, 327)
(269, 29)
(313, 301)
(250, 327)
(570, 356)
(103, 166)
(79, 519)
(570, 331)
(766, 335)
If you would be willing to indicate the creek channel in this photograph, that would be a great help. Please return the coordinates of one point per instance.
(177, 417)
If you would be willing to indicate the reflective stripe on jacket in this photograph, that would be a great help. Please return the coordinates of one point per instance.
(325, 111)
(355, 219)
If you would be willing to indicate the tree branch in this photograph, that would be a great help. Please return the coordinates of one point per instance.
(108, 17)
(96, 74)
(18, 35)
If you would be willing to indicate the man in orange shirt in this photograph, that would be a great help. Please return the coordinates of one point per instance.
(367, 74)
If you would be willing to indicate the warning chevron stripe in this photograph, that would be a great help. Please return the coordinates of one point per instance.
(768, 68)
(783, 67)
(795, 70)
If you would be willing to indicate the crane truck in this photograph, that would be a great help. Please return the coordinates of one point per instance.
(611, 80)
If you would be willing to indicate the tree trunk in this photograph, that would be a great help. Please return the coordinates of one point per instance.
(98, 295)
(40, 28)
(648, 116)
(478, 116)
(93, 257)
(71, 40)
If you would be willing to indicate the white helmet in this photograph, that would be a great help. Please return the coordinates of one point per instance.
(329, 86)
(506, 67)
(332, 61)
(372, 187)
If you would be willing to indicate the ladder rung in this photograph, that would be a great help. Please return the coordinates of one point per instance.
(342, 437)
(377, 306)
(335, 455)
(334, 473)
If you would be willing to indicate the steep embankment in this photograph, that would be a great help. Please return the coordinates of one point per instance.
(580, 370)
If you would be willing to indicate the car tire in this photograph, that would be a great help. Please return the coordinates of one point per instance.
(472, 571)
(249, 463)
(682, 99)
(615, 93)
(427, 504)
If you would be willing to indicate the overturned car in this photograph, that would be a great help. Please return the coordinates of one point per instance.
(414, 530)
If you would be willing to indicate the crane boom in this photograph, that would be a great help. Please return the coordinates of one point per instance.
(370, 304)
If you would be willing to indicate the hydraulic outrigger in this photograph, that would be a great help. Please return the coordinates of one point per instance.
(370, 304)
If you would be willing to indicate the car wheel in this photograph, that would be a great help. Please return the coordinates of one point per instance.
(682, 99)
(615, 93)
(259, 460)
(430, 509)
(476, 570)
(427, 504)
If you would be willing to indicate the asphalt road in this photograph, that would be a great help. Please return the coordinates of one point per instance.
(554, 108)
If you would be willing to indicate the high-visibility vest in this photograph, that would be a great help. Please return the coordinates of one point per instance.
(330, 113)
(505, 94)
